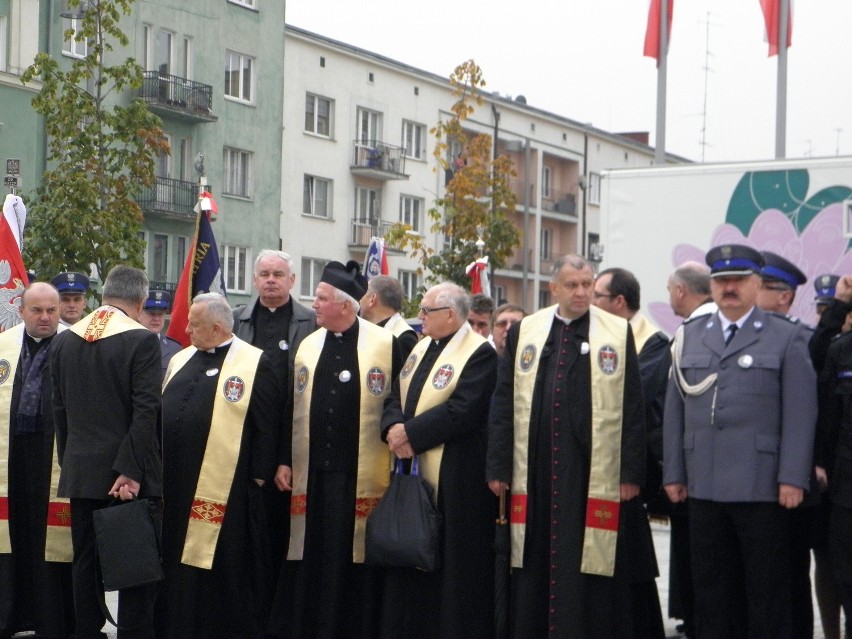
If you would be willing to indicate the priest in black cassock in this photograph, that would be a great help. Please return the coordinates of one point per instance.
(569, 399)
(222, 407)
(343, 374)
(439, 411)
(35, 526)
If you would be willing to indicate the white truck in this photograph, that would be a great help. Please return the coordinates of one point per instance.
(654, 219)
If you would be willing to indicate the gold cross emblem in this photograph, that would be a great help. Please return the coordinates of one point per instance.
(64, 513)
(602, 515)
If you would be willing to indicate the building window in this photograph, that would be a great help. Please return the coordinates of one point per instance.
(311, 272)
(146, 48)
(180, 253)
(594, 188)
(411, 212)
(186, 69)
(160, 265)
(70, 45)
(545, 247)
(368, 124)
(235, 268)
(251, 4)
(315, 199)
(366, 205)
(543, 298)
(545, 182)
(236, 172)
(499, 293)
(414, 140)
(187, 162)
(318, 112)
(409, 282)
(163, 167)
(239, 80)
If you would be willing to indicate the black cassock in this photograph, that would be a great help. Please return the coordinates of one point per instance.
(550, 596)
(231, 599)
(457, 600)
(34, 594)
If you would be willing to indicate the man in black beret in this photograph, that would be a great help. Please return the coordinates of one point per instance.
(337, 468)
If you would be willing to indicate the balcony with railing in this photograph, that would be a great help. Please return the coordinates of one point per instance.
(177, 97)
(363, 230)
(170, 287)
(559, 202)
(378, 160)
(169, 198)
(517, 187)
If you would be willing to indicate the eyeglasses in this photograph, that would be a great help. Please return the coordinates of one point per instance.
(426, 310)
(597, 295)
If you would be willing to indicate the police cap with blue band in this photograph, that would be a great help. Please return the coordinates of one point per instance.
(826, 287)
(71, 283)
(734, 260)
(158, 301)
(777, 269)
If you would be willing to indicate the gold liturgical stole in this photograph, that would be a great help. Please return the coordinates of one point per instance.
(643, 329)
(397, 325)
(103, 322)
(375, 364)
(608, 347)
(230, 407)
(58, 542)
(439, 386)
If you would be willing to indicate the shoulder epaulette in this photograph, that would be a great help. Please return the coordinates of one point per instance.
(697, 317)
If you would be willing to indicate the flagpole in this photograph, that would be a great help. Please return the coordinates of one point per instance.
(662, 61)
(781, 83)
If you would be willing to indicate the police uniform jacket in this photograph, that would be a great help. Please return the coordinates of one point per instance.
(754, 428)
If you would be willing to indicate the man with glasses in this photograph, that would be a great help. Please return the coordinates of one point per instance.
(438, 410)
(778, 281)
(504, 317)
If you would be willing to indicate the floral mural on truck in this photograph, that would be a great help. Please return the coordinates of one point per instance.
(772, 211)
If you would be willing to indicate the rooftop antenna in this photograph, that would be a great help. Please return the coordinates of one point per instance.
(703, 141)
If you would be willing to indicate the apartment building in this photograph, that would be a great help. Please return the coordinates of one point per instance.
(358, 158)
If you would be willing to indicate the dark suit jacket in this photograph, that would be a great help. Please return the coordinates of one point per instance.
(106, 404)
(303, 323)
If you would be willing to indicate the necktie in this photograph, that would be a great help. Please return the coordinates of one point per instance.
(732, 329)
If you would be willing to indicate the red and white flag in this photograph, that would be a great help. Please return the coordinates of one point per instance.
(772, 19)
(478, 273)
(652, 31)
(13, 275)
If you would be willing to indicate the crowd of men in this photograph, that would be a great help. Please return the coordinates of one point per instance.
(266, 444)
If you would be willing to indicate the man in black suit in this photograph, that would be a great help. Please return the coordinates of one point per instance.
(276, 323)
(106, 399)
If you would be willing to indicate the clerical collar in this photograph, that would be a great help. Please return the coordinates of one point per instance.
(564, 320)
(444, 339)
(222, 345)
(37, 340)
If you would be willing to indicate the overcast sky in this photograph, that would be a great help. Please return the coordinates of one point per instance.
(583, 59)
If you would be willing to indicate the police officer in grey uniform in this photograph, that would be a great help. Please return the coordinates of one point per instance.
(738, 439)
(153, 318)
(73, 288)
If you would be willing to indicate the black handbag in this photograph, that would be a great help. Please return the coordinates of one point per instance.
(128, 544)
(405, 529)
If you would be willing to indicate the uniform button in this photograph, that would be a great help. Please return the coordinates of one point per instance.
(330, 410)
(327, 462)
(558, 390)
(334, 392)
(556, 405)
(328, 445)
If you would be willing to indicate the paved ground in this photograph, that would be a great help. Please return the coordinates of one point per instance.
(661, 544)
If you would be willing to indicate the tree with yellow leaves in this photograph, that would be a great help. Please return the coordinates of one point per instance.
(477, 197)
